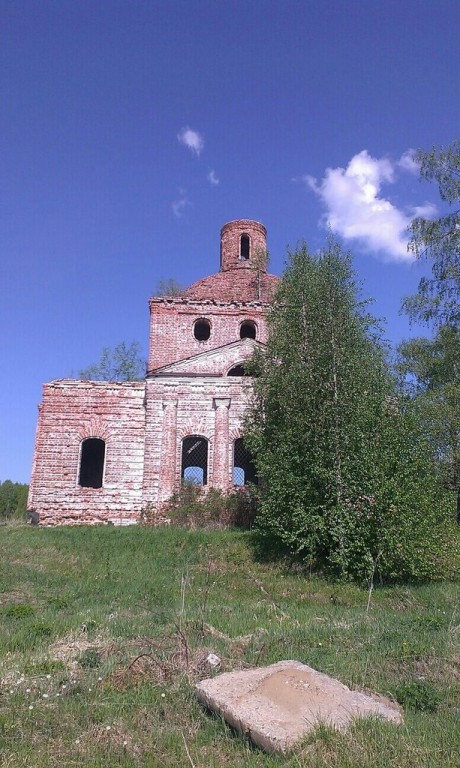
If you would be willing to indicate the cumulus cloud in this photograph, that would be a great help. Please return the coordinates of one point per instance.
(408, 162)
(213, 179)
(179, 205)
(191, 139)
(356, 209)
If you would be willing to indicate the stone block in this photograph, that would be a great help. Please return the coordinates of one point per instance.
(281, 704)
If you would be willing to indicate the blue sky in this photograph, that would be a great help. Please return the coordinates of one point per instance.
(131, 131)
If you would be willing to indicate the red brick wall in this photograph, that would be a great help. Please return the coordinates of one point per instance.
(70, 412)
(143, 457)
(240, 291)
(172, 322)
(194, 402)
(230, 239)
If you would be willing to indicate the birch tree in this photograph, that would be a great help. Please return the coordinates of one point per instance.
(438, 240)
(122, 363)
(345, 479)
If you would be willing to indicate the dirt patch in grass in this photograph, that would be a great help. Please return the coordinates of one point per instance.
(434, 668)
(170, 659)
(438, 669)
(404, 601)
(15, 596)
(70, 649)
(146, 668)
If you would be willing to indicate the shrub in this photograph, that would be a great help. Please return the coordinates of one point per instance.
(193, 507)
(19, 610)
(13, 499)
(418, 695)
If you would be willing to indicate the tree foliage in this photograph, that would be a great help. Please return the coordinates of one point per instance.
(260, 261)
(438, 296)
(433, 367)
(169, 287)
(13, 499)
(433, 364)
(122, 363)
(345, 476)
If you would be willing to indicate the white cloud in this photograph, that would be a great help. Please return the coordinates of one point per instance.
(212, 178)
(178, 206)
(356, 210)
(191, 139)
(408, 162)
(426, 211)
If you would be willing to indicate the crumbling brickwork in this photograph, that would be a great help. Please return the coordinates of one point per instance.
(197, 347)
(70, 412)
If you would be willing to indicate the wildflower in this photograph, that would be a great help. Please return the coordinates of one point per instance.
(31, 706)
(45, 695)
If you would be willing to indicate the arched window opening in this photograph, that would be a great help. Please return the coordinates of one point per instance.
(237, 370)
(244, 470)
(248, 330)
(202, 329)
(195, 460)
(92, 463)
(244, 247)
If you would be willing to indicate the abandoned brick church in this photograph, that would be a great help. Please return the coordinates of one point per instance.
(106, 450)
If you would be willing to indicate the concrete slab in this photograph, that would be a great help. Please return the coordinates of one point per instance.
(280, 704)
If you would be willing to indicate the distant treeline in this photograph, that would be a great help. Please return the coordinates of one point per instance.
(13, 499)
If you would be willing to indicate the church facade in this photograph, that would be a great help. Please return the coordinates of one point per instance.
(106, 451)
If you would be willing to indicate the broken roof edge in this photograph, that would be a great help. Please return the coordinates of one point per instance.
(67, 382)
(210, 302)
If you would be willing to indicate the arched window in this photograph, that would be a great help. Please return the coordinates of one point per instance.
(92, 459)
(202, 329)
(195, 460)
(248, 329)
(244, 247)
(237, 370)
(244, 471)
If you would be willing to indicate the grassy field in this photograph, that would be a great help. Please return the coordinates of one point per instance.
(103, 632)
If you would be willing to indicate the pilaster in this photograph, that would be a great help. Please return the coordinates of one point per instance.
(221, 469)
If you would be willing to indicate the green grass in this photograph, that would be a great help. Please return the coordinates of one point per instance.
(103, 632)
